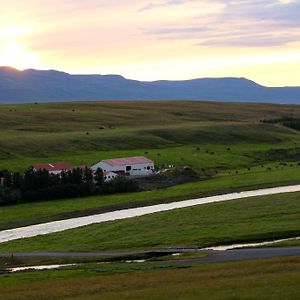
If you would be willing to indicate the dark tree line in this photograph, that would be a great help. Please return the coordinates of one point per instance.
(290, 122)
(41, 185)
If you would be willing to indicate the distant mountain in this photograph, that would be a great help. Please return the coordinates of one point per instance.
(53, 86)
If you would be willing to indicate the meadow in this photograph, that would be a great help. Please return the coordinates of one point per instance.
(228, 146)
(276, 278)
(245, 220)
(45, 211)
(170, 132)
(225, 143)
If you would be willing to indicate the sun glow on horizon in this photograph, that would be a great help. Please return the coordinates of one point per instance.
(155, 39)
(12, 50)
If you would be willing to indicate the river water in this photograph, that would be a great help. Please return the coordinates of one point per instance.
(57, 226)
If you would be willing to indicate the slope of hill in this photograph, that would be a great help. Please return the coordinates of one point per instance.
(47, 86)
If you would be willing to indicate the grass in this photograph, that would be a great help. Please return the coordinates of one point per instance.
(291, 243)
(49, 117)
(112, 261)
(276, 278)
(54, 132)
(33, 213)
(213, 138)
(245, 220)
(19, 152)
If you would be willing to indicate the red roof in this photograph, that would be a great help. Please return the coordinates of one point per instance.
(53, 167)
(128, 161)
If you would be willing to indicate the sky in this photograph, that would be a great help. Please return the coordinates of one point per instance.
(155, 39)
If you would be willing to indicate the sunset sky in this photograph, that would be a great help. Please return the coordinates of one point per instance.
(149, 40)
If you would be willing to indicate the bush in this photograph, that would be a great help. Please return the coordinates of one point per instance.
(9, 195)
(120, 184)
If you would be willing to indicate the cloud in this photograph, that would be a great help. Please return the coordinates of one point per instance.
(239, 23)
(261, 40)
(152, 5)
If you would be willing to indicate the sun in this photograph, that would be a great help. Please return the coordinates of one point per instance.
(12, 54)
(12, 50)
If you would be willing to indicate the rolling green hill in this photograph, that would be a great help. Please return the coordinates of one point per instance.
(225, 143)
(83, 133)
(228, 146)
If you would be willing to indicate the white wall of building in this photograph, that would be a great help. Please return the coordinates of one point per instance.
(133, 169)
(109, 176)
(142, 169)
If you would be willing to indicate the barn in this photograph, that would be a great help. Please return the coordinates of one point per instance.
(108, 176)
(133, 166)
(55, 168)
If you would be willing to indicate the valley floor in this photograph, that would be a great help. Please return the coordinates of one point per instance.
(58, 226)
(230, 149)
(275, 278)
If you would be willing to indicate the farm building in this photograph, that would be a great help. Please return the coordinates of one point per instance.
(133, 166)
(109, 176)
(55, 168)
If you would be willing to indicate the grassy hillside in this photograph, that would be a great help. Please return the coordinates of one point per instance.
(253, 219)
(83, 133)
(224, 142)
(227, 145)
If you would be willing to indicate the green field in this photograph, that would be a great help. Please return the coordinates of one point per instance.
(71, 132)
(225, 143)
(33, 213)
(260, 279)
(212, 138)
(290, 243)
(245, 220)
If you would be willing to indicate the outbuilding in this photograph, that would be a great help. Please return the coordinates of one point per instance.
(53, 168)
(133, 166)
(108, 176)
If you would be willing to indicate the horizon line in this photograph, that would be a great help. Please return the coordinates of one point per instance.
(135, 79)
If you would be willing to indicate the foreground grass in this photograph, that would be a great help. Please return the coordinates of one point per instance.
(261, 279)
(38, 212)
(245, 220)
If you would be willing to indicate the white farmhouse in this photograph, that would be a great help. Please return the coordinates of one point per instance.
(133, 166)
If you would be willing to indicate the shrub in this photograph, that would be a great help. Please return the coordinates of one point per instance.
(9, 195)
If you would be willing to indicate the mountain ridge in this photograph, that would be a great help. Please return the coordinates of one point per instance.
(55, 86)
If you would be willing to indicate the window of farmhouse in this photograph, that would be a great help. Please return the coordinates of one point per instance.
(128, 168)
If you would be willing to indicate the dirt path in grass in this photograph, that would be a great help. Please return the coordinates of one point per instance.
(57, 226)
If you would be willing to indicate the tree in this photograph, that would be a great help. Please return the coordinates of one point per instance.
(88, 175)
(99, 177)
(29, 179)
(76, 176)
(8, 180)
(18, 180)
